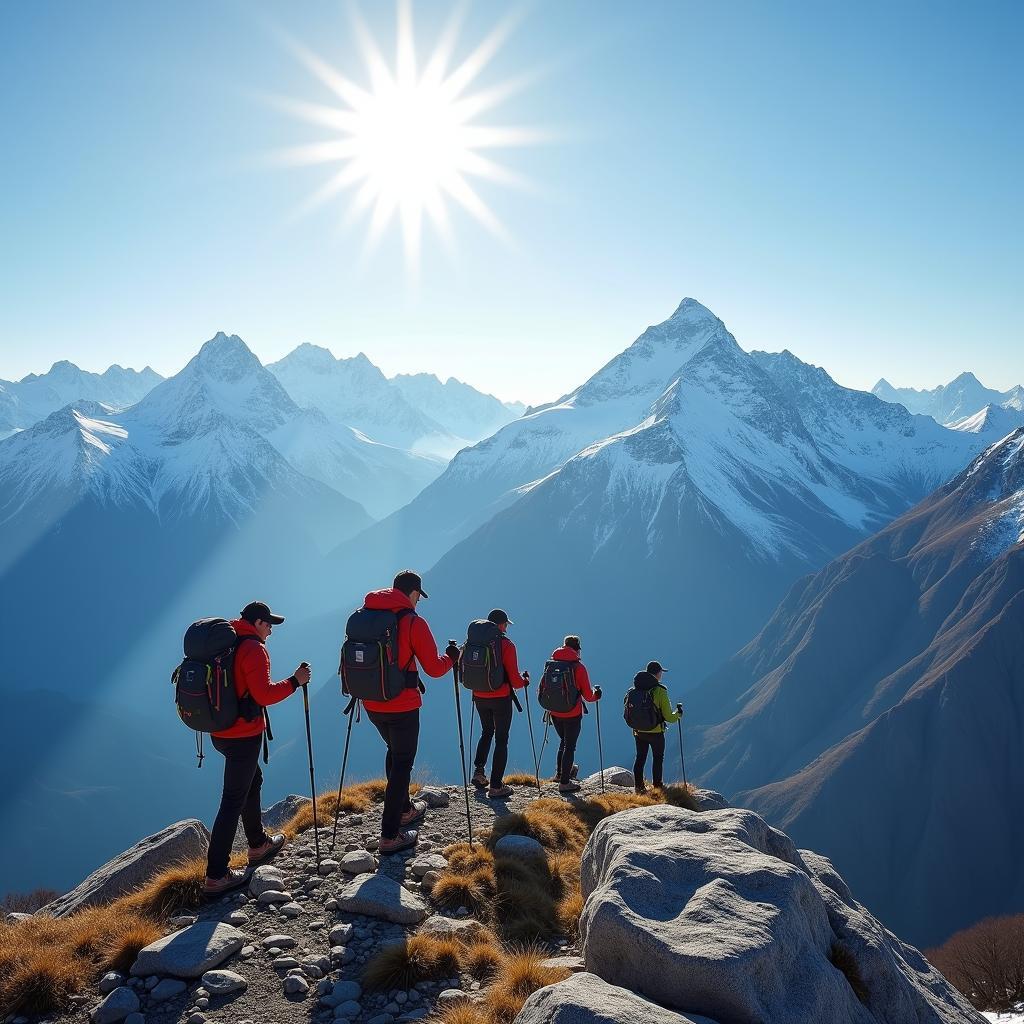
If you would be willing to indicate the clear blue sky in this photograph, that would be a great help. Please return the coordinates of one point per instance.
(840, 179)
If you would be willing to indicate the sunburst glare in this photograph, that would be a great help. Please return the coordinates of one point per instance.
(409, 141)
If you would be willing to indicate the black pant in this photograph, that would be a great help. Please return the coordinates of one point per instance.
(568, 730)
(241, 797)
(401, 732)
(495, 721)
(655, 742)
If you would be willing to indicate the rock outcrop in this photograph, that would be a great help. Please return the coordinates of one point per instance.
(181, 841)
(586, 999)
(718, 914)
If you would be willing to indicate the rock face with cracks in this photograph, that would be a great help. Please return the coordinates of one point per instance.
(718, 914)
(128, 870)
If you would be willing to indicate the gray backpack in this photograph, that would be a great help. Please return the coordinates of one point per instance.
(480, 661)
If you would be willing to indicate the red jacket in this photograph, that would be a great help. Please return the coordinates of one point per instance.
(582, 682)
(511, 666)
(252, 677)
(415, 644)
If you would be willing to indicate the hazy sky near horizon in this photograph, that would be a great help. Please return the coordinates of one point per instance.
(842, 180)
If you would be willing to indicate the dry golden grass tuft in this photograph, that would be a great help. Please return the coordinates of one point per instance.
(354, 800)
(45, 961)
(420, 958)
(521, 779)
(482, 959)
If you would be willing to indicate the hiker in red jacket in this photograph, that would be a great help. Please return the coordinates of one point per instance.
(398, 720)
(240, 746)
(494, 708)
(567, 723)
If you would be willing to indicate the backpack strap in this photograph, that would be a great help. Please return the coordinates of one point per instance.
(416, 685)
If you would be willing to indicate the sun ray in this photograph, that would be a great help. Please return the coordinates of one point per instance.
(409, 142)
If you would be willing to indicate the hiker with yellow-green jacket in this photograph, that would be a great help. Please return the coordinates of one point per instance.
(646, 710)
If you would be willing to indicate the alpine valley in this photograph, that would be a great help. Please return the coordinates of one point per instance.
(677, 505)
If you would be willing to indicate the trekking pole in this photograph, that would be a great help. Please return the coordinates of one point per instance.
(462, 749)
(682, 760)
(529, 722)
(600, 752)
(350, 712)
(544, 743)
(312, 779)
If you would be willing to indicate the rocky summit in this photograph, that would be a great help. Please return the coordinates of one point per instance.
(708, 917)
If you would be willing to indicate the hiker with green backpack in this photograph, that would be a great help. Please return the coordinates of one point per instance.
(223, 687)
(646, 710)
(564, 686)
(489, 667)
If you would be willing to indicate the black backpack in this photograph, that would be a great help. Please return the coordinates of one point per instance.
(204, 683)
(639, 709)
(480, 661)
(557, 690)
(369, 666)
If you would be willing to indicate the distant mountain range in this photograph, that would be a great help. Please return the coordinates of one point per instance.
(878, 714)
(33, 398)
(667, 502)
(416, 412)
(964, 403)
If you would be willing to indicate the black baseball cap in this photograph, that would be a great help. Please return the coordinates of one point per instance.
(655, 666)
(499, 617)
(407, 581)
(260, 610)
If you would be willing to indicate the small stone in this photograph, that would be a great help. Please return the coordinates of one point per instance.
(340, 934)
(519, 847)
(266, 877)
(269, 896)
(358, 862)
(168, 989)
(280, 941)
(203, 1003)
(118, 1004)
(434, 796)
(291, 910)
(110, 981)
(381, 1018)
(284, 963)
(246, 952)
(151, 982)
(328, 867)
(295, 985)
(221, 983)
(331, 904)
(183, 920)
(135, 1018)
(355, 819)
(237, 917)
(430, 879)
(451, 996)
(350, 1008)
(347, 991)
(431, 862)
(197, 1018)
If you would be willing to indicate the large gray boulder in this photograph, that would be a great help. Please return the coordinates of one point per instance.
(182, 841)
(586, 999)
(189, 953)
(717, 913)
(382, 897)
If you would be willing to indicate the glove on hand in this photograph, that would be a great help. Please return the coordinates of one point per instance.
(452, 651)
(679, 709)
(597, 692)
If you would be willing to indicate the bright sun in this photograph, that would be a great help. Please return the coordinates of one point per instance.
(409, 142)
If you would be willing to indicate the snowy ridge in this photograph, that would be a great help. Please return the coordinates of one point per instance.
(33, 398)
(956, 401)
